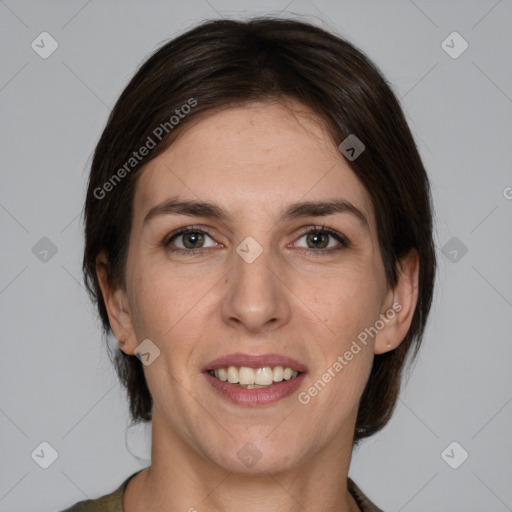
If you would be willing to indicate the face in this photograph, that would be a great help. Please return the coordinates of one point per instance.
(272, 283)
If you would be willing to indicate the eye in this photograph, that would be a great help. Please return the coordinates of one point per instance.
(324, 240)
(189, 240)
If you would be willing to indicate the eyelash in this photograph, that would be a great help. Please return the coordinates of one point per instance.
(344, 242)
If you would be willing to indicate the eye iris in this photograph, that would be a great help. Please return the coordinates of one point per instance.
(314, 237)
(196, 237)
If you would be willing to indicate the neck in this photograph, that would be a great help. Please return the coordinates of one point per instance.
(196, 484)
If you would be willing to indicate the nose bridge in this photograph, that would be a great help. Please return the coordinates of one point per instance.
(255, 297)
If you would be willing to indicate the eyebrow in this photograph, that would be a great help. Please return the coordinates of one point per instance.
(298, 210)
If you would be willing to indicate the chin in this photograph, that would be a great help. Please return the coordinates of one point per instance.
(254, 462)
(254, 454)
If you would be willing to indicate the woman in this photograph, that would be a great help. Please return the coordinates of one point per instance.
(258, 229)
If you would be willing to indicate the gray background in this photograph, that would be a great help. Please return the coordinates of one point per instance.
(57, 384)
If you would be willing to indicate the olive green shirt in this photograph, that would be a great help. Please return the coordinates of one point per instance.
(114, 502)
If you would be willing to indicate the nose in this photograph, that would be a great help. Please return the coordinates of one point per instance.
(257, 298)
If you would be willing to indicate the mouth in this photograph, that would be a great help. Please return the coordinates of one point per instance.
(254, 378)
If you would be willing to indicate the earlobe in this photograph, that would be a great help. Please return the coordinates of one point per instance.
(117, 307)
(401, 306)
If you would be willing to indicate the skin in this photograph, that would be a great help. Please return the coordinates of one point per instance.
(253, 160)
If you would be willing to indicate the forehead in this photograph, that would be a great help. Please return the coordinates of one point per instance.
(254, 157)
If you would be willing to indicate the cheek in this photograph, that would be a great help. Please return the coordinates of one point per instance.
(170, 310)
(334, 393)
(162, 301)
(346, 301)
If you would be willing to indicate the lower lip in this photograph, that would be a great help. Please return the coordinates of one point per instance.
(258, 396)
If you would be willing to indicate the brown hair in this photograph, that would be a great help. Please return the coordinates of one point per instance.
(225, 63)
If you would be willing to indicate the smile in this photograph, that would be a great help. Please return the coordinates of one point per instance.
(251, 380)
(254, 378)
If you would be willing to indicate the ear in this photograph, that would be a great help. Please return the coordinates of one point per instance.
(399, 305)
(118, 309)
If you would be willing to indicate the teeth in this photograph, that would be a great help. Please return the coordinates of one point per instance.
(287, 375)
(251, 378)
(232, 374)
(278, 374)
(246, 375)
(263, 376)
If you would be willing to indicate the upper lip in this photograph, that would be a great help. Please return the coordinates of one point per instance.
(254, 361)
